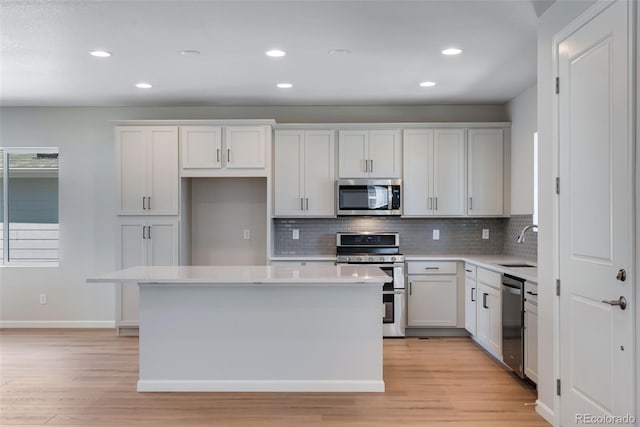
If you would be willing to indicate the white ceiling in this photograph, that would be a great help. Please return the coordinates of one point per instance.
(394, 45)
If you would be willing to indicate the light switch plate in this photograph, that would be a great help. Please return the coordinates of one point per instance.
(485, 233)
(295, 235)
(246, 234)
(436, 234)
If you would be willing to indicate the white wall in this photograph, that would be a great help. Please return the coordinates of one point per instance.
(87, 193)
(523, 117)
(551, 22)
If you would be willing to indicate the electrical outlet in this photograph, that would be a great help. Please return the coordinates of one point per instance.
(43, 298)
(436, 234)
(246, 234)
(295, 234)
(485, 233)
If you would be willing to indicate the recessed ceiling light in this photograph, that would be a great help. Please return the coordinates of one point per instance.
(284, 85)
(189, 52)
(452, 51)
(100, 53)
(143, 85)
(339, 52)
(427, 84)
(275, 53)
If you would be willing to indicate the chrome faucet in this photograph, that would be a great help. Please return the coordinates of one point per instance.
(521, 238)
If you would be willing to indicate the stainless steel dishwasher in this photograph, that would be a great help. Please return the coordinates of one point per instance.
(513, 323)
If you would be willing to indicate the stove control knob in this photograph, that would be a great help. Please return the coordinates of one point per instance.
(393, 259)
(370, 259)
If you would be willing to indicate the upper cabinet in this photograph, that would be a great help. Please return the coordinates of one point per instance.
(485, 168)
(147, 170)
(304, 173)
(369, 153)
(224, 150)
(434, 172)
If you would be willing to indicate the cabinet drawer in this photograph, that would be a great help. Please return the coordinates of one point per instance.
(490, 278)
(431, 267)
(470, 270)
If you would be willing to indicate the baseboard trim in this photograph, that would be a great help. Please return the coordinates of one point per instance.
(9, 324)
(259, 386)
(544, 411)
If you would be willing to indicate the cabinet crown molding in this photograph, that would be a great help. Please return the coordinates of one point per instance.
(216, 122)
(397, 125)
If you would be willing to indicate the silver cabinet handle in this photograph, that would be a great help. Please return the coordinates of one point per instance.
(470, 203)
(228, 155)
(371, 165)
(218, 155)
(473, 291)
(430, 203)
(432, 268)
(532, 293)
(366, 165)
(621, 302)
(307, 204)
(410, 288)
(468, 271)
(301, 204)
(148, 232)
(392, 292)
(149, 202)
(436, 203)
(144, 228)
(484, 300)
(143, 204)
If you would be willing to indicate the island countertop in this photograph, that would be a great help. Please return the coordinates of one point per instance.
(248, 275)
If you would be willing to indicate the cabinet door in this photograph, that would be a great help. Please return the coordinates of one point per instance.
(470, 302)
(485, 187)
(201, 148)
(432, 301)
(132, 253)
(163, 178)
(131, 169)
(384, 154)
(417, 171)
(288, 179)
(495, 307)
(162, 242)
(531, 342)
(245, 147)
(319, 173)
(353, 154)
(489, 319)
(448, 172)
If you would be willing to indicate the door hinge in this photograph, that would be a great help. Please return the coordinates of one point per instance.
(557, 185)
(558, 388)
(558, 287)
(557, 85)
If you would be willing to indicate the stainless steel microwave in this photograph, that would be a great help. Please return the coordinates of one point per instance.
(368, 196)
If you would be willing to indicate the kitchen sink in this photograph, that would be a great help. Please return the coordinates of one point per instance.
(518, 265)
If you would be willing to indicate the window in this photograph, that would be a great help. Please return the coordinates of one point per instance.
(29, 201)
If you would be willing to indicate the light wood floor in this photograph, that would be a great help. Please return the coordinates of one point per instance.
(88, 378)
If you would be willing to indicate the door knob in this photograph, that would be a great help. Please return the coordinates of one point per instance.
(622, 302)
(622, 275)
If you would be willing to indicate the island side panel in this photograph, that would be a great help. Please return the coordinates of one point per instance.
(311, 337)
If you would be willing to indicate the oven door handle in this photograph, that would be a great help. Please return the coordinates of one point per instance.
(393, 292)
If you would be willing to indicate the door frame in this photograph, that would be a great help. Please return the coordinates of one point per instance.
(634, 159)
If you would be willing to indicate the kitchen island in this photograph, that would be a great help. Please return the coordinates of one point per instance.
(259, 328)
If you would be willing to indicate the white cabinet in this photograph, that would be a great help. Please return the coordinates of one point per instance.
(489, 311)
(531, 331)
(142, 241)
(304, 173)
(470, 298)
(434, 172)
(485, 172)
(369, 153)
(211, 151)
(432, 299)
(147, 170)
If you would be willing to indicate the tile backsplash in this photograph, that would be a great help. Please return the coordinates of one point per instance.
(457, 235)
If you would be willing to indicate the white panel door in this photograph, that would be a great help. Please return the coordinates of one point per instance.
(470, 304)
(597, 344)
(417, 169)
(432, 301)
(448, 172)
(245, 147)
(131, 169)
(385, 151)
(319, 173)
(353, 161)
(485, 167)
(163, 177)
(133, 253)
(201, 147)
(288, 174)
(162, 242)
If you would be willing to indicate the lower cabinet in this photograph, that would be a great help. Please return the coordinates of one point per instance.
(142, 241)
(531, 331)
(489, 311)
(433, 294)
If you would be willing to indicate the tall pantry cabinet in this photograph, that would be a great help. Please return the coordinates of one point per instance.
(147, 206)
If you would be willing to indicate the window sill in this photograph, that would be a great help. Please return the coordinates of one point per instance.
(31, 265)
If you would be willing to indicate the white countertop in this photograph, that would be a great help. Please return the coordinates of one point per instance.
(248, 275)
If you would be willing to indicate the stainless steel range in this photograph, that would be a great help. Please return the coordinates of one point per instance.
(381, 250)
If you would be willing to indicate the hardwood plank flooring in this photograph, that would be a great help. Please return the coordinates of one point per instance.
(88, 378)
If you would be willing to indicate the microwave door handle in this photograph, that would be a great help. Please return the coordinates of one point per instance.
(390, 197)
